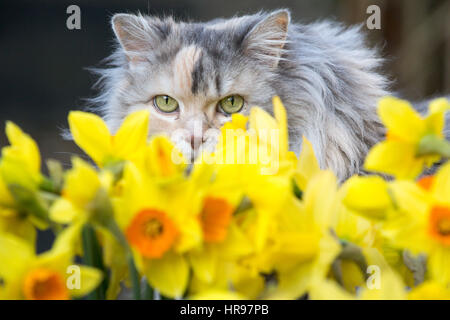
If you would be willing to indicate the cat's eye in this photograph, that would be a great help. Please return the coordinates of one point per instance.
(231, 104)
(165, 103)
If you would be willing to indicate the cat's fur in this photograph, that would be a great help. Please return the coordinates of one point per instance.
(325, 74)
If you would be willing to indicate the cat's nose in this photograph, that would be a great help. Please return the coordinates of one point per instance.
(196, 141)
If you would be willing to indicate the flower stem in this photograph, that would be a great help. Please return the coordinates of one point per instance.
(135, 279)
(93, 257)
(148, 292)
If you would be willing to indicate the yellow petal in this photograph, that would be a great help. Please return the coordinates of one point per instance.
(367, 195)
(436, 115)
(67, 240)
(6, 198)
(263, 124)
(438, 262)
(23, 147)
(328, 290)
(13, 171)
(15, 257)
(204, 263)
(391, 287)
(429, 290)
(163, 159)
(441, 185)
(90, 278)
(246, 282)
(169, 274)
(132, 135)
(307, 165)
(395, 158)
(238, 121)
(400, 119)
(81, 184)
(215, 294)
(280, 115)
(63, 211)
(18, 226)
(91, 134)
(320, 198)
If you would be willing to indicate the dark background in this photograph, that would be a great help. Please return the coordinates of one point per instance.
(42, 63)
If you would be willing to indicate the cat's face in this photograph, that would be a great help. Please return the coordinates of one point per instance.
(193, 77)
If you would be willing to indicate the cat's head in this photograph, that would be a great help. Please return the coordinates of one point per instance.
(192, 76)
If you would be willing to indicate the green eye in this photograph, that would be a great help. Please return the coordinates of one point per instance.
(231, 104)
(165, 103)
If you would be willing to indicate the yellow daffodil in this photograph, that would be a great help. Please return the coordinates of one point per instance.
(93, 136)
(304, 247)
(162, 161)
(160, 225)
(401, 155)
(223, 240)
(422, 224)
(21, 161)
(258, 162)
(48, 276)
(11, 221)
(20, 177)
(80, 191)
(367, 196)
(382, 284)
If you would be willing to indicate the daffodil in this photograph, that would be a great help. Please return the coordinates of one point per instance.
(223, 241)
(367, 196)
(382, 284)
(160, 225)
(256, 159)
(303, 248)
(162, 161)
(21, 208)
(21, 161)
(48, 276)
(422, 224)
(80, 193)
(93, 136)
(405, 153)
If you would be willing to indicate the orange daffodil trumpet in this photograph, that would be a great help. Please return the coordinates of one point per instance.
(46, 276)
(249, 220)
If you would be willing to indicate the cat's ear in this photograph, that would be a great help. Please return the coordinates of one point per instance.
(266, 40)
(134, 33)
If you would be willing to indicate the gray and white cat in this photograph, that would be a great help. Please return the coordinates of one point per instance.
(194, 75)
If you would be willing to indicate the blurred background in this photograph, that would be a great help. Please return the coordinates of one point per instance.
(42, 63)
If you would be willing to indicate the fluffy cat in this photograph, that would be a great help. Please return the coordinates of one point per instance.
(325, 74)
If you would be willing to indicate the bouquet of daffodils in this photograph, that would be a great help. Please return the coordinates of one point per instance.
(250, 220)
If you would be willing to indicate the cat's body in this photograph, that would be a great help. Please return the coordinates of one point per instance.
(325, 74)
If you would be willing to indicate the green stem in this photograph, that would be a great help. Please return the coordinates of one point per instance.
(135, 279)
(93, 257)
(87, 235)
(148, 292)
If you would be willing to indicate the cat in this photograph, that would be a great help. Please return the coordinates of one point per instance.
(193, 76)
